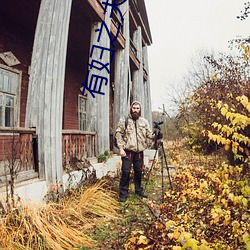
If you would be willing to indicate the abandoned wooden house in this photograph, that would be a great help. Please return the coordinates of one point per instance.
(45, 53)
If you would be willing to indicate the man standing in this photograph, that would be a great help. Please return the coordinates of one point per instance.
(132, 141)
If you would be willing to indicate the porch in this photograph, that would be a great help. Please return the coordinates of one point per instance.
(19, 152)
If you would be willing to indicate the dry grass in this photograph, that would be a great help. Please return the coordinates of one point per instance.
(60, 225)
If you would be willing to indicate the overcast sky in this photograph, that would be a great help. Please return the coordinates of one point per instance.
(181, 28)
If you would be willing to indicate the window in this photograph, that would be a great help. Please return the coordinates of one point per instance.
(9, 97)
(82, 101)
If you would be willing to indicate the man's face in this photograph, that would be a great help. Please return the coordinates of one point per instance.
(136, 108)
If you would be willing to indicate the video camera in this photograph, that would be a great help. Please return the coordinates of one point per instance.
(157, 125)
(157, 130)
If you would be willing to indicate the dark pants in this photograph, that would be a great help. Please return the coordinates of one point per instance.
(135, 158)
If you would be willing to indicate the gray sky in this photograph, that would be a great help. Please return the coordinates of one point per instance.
(180, 29)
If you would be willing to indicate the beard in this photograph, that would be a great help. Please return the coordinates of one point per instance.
(135, 115)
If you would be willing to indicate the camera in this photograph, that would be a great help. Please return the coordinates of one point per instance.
(157, 125)
(157, 132)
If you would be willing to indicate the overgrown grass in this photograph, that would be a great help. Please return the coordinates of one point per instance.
(62, 225)
(135, 216)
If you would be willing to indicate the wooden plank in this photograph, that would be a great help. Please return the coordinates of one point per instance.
(48, 100)
(148, 107)
(47, 85)
(138, 8)
(122, 79)
(21, 177)
(134, 22)
(9, 58)
(145, 75)
(62, 49)
(77, 132)
(98, 107)
(17, 130)
(120, 42)
(135, 63)
(78, 146)
(92, 8)
(138, 83)
(18, 149)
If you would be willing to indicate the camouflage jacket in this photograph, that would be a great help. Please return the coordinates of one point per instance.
(136, 134)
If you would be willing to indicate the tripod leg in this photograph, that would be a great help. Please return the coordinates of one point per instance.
(165, 158)
(162, 178)
(150, 170)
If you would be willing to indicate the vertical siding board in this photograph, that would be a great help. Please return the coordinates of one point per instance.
(67, 148)
(47, 74)
(53, 79)
(148, 113)
(56, 86)
(17, 148)
(35, 89)
(43, 50)
(63, 151)
(62, 49)
(78, 141)
(122, 71)
(36, 92)
(98, 107)
(138, 83)
(48, 101)
(79, 148)
(74, 146)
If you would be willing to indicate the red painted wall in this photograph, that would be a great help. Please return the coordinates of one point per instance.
(71, 91)
(19, 42)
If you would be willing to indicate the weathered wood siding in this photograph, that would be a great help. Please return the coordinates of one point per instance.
(74, 145)
(17, 153)
(122, 74)
(45, 96)
(98, 107)
(16, 149)
(138, 85)
(148, 107)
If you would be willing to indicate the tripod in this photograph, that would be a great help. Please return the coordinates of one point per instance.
(159, 148)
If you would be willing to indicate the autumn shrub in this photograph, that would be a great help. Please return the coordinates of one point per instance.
(208, 208)
(222, 79)
(234, 133)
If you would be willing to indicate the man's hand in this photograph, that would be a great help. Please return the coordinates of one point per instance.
(122, 152)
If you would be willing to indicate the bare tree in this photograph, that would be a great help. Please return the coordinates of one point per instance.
(245, 12)
(12, 167)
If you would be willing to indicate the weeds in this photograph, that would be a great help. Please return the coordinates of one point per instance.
(62, 225)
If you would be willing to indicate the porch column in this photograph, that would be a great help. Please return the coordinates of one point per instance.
(122, 74)
(46, 86)
(138, 84)
(98, 107)
(148, 106)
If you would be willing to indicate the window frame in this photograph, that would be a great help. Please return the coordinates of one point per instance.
(17, 96)
(79, 111)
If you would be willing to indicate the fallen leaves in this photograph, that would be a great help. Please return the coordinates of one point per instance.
(208, 208)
